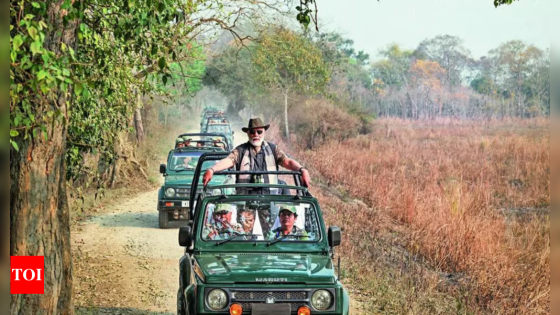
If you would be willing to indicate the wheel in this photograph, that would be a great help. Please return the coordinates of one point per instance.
(180, 303)
(163, 219)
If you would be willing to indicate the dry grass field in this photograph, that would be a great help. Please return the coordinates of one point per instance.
(441, 216)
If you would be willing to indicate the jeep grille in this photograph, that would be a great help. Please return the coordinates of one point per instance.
(247, 298)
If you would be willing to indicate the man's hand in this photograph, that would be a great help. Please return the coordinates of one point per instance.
(305, 177)
(207, 176)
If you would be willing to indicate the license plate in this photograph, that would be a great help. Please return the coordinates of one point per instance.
(271, 309)
(184, 204)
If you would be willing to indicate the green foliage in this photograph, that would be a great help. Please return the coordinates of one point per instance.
(119, 43)
(37, 75)
(288, 61)
(305, 16)
(502, 2)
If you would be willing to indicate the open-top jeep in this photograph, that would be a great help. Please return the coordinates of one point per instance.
(238, 260)
(221, 128)
(212, 115)
(173, 196)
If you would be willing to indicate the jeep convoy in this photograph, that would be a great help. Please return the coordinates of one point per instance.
(247, 252)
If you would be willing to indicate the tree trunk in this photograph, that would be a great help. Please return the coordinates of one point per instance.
(138, 125)
(39, 212)
(286, 115)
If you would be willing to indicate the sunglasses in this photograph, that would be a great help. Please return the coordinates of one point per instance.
(254, 132)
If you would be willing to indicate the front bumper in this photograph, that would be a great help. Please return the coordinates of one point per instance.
(164, 205)
(295, 297)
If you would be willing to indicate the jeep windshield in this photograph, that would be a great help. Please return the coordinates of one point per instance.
(221, 129)
(259, 220)
(181, 161)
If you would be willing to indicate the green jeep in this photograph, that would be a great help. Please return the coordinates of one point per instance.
(173, 196)
(211, 114)
(238, 260)
(221, 128)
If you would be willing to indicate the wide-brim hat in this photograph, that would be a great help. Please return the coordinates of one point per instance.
(255, 123)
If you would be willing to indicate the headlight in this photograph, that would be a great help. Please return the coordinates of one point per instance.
(170, 192)
(217, 299)
(321, 300)
(216, 192)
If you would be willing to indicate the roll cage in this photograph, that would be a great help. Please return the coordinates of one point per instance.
(301, 191)
(208, 135)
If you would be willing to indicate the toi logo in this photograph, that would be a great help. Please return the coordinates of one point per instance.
(27, 275)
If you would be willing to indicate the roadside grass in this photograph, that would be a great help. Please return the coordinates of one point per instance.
(453, 215)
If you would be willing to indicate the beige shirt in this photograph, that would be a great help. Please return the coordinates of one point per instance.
(235, 158)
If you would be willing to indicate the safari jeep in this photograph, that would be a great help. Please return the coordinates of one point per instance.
(220, 128)
(173, 196)
(237, 262)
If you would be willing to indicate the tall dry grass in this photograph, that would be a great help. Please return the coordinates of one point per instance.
(470, 198)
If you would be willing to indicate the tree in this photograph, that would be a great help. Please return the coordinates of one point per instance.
(231, 73)
(448, 51)
(392, 70)
(427, 84)
(522, 75)
(288, 62)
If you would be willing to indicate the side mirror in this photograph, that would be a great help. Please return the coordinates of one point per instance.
(334, 236)
(162, 168)
(233, 132)
(185, 236)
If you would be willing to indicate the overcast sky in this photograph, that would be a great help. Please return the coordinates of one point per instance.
(372, 24)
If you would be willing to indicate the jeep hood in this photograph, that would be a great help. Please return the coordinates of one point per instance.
(187, 178)
(179, 179)
(266, 268)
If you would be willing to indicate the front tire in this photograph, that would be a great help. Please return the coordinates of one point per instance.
(181, 303)
(163, 219)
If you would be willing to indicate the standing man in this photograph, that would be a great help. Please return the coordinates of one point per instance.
(257, 155)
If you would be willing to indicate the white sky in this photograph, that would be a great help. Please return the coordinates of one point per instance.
(372, 24)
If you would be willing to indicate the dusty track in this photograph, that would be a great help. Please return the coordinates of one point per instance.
(125, 264)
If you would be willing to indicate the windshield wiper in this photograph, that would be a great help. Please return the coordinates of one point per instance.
(236, 235)
(183, 169)
(285, 237)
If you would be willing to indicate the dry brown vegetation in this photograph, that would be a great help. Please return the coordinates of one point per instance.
(453, 215)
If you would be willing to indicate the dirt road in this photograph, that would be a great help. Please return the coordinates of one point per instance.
(125, 264)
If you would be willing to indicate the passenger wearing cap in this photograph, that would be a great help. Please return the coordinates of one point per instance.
(287, 217)
(179, 143)
(217, 143)
(187, 142)
(220, 226)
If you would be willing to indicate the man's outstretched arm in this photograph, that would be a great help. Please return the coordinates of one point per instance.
(223, 164)
(293, 165)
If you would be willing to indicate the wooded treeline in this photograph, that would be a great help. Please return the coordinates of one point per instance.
(439, 78)
(323, 88)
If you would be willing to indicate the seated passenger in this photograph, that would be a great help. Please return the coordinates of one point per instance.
(287, 217)
(220, 226)
(217, 143)
(187, 142)
(247, 219)
(186, 163)
(179, 143)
